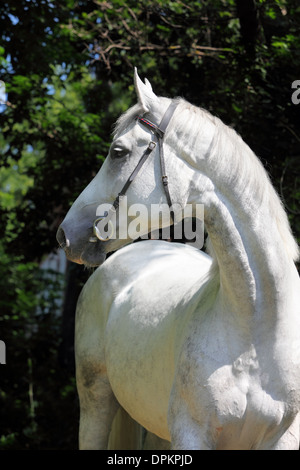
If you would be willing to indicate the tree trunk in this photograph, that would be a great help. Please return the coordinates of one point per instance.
(248, 15)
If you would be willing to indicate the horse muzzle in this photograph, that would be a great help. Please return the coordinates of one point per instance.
(80, 250)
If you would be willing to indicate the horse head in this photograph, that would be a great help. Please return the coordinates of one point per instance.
(101, 219)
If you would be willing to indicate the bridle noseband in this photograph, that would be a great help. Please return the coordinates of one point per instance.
(158, 133)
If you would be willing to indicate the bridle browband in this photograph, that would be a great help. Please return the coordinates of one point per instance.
(158, 133)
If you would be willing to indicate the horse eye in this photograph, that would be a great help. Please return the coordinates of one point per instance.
(118, 152)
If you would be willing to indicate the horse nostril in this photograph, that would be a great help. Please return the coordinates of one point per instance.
(61, 238)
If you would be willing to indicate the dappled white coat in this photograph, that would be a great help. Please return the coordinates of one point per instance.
(203, 351)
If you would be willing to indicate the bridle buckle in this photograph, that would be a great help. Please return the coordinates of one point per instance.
(97, 232)
(164, 180)
(152, 145)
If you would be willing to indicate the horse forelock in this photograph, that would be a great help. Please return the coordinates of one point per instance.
(126, 119)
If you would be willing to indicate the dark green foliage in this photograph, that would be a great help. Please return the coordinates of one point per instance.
(68, 70)
(38, 400)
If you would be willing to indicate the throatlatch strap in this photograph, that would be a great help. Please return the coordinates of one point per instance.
(162, 127)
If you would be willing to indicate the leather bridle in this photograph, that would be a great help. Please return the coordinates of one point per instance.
(158, 133)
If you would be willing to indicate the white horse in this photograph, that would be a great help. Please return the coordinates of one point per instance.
(201, 350)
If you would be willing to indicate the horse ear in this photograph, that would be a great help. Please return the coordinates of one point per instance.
(144, 92)
(148, 84)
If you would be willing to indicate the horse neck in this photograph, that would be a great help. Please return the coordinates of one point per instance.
(256, 271)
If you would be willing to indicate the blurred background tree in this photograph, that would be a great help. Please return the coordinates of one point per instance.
(66, 71)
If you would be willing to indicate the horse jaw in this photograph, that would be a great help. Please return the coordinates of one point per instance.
(146, 96)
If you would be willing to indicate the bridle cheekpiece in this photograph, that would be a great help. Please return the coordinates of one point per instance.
(158, 133)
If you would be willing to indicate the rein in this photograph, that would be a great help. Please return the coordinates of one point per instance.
(158, 133)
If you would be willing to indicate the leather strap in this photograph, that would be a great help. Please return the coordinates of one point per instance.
(167, 117)
(162, 127)
(158, 133)
(143, 158)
